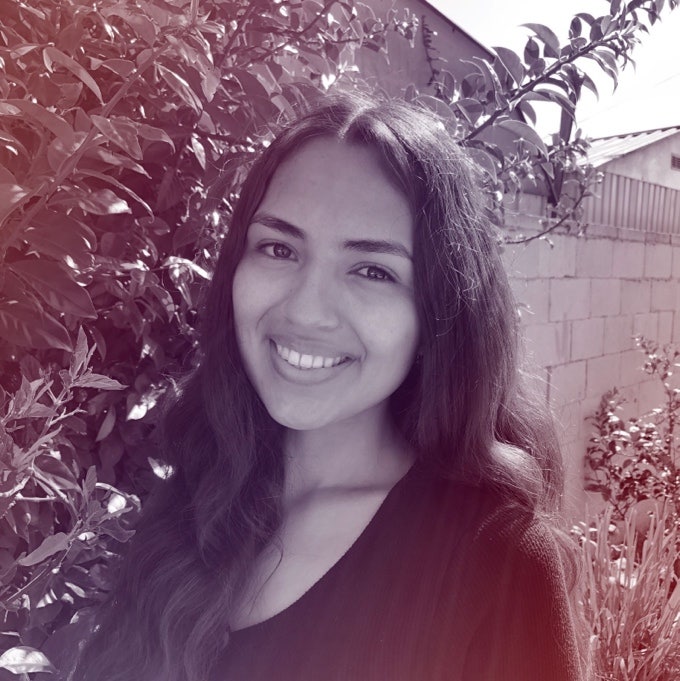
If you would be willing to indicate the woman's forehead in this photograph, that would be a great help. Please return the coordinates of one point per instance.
(334, 183)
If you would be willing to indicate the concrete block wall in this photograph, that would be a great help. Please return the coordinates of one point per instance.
(582, 301)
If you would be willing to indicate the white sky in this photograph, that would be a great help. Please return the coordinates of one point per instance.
(647, 97)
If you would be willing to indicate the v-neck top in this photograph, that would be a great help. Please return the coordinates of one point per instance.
(446, 583)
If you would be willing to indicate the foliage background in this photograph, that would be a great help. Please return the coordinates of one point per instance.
(126, 129)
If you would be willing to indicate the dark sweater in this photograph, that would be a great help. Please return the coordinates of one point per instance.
(445, 583)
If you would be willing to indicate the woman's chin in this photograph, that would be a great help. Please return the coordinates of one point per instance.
(300, 421)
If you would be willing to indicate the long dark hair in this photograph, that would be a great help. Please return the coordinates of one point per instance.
(461, 407)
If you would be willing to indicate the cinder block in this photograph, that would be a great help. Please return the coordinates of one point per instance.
(676, 327)
(636, 296)
(629, 260)
(521, 260)
(658, 261)
(534, 301)
(602, 374)
(594, 257)
(676, 261)
(587, 338)
(567, 383)
(605, 297)
(664, 295)
(568, 422)
(646, 324)
(558, 260)
(618, 333)
(630, 371)
(650, 396)
(665, 334)
(569, 299)
(547, 344)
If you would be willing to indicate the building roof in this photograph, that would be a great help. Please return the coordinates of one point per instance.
(445, 15)
(606, 149)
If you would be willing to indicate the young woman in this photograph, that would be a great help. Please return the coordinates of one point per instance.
(361, 490)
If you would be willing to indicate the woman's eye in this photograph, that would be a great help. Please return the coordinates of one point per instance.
(277, 250)
(375, 273)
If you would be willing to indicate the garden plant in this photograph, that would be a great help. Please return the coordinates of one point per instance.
(126, 128)
(631, 553)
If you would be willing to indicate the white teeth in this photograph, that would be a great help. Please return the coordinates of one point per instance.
(302, 361)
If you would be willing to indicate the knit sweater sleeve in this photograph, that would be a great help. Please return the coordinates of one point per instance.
(525, 628)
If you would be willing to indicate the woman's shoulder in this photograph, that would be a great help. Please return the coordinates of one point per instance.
(497, 530)
(505, 576)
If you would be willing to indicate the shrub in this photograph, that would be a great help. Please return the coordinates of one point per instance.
(126, 129)
(631, 460)
(631, 552)
(631, 597)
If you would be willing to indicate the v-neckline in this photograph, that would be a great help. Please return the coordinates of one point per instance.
(361, 538)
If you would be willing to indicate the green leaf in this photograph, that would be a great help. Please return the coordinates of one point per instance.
(99, 381)
(123, 67)
(60, 235)
(121, 132)
(511, 62)
(546, 95)
(11, 196)
(62, 150)
(55, 124)
(527, 111)
(103, 202)
(525, 132)
(52, 54)
(119, 185)
(13, 142)
(153, 134)
(56, 474)
(55, 543)
(24, 325)
(143, 26)
(531, 51)
(81, 354)
(56, 286)
(588, 82)
(181, 87)
(108, 422)
(25, 660)
(548, 38)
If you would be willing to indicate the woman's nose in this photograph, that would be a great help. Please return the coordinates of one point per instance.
(312, 301)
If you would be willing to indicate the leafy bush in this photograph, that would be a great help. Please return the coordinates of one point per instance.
(126, 129)
(634, 459)
(631, 553)
(631, 597)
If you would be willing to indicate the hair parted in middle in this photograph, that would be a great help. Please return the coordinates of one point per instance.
(462, 407)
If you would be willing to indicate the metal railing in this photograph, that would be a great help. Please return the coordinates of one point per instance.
(634, 204)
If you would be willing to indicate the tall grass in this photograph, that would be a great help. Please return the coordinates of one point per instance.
(632, 597)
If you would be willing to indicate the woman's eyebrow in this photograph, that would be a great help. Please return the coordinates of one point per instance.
(279, 225)
(378, 246)
(362, 245)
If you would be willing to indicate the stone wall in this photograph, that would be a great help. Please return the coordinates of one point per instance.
(583, 300)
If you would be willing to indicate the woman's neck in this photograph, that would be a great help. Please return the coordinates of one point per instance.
(366, 451)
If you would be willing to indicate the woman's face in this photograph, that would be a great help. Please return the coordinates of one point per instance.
(323, 297)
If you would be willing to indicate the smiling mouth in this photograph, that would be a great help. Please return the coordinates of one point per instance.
(302, 361)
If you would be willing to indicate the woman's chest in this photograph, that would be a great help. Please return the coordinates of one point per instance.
(313, 539)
